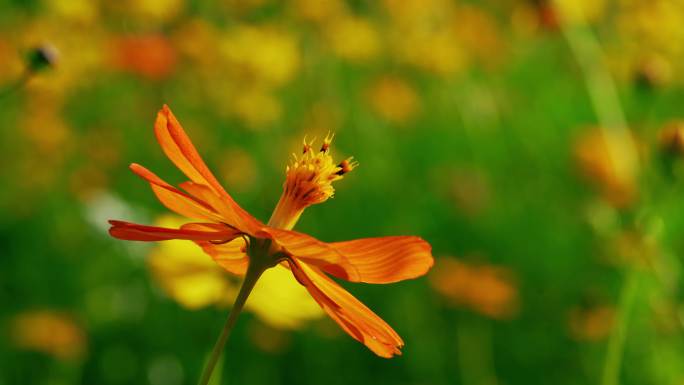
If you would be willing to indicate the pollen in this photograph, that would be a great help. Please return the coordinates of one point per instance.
(311, 174)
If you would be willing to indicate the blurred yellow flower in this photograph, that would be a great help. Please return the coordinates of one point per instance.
(261, 54)
(82, 11)
(649, 40)
(319, 11)
(393, 99)
(478, 33)
(150, 11)
(48, 332)
(11, 65)
(353, 38)
(194, 280)
(238, 170)
(82, 55)
(572, 11)
(434, 50)
(198, 40)
(489, 290)
(415, 13)
(321, 118)
(256, 107)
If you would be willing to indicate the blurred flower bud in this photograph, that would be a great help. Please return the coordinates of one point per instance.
(671, 147)
(671, 138)
(487, 289)
(654, 71)
(606, 161)
(42, 57)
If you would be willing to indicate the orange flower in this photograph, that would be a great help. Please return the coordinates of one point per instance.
(150, 56)
(242, 244)
(489, 290)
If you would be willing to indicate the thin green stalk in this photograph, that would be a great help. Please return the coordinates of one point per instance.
(603, 92)
(254, 271)
(616, 343)
(474, 344)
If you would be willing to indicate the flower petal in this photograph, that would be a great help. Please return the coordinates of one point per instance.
(313, 251)
(369, 260)
(135, 232)
(175, 199)
(230, 213)
(229, 255)
(384, 259)
(180, 150)
(353, 316)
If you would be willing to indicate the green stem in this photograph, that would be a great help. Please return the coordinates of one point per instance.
(254, 271)
(474, 342)
(603, 93)
(616, 343)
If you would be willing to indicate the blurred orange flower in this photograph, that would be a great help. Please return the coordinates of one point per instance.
(393, 99)
(150, 56)
(242, 244)
(603, 161)
(671, 137)
(489, 290)
(591, 324)
(49, 332)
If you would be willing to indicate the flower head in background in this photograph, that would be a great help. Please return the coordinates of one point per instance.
(194, 281)
(237, 241)
(604, 161)
(488, 290)
(49, 332)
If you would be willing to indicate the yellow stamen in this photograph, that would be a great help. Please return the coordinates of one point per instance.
(308, 182)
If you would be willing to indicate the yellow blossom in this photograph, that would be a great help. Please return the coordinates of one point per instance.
(261, 54)
(256, 107)
(393, 99)
(194, 280)
(319, 10)
(353, 38)
(572, 11)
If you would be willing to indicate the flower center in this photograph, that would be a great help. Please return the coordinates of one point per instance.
(308, 182)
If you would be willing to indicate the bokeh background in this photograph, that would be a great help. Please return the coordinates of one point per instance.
(536, 145)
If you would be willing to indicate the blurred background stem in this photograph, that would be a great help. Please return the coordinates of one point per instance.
(604, 96)
(475, 358)
(611, 366)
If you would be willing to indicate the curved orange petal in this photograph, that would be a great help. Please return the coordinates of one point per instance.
(179, 149)
(312, 251)
(229, 255)
(385, 259)
(353, 316)
(234, 217)
(135, 232)
(174, 199)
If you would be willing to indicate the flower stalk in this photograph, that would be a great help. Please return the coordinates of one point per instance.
(254, 271)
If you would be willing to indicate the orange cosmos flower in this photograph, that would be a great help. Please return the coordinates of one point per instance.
(242, 244)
